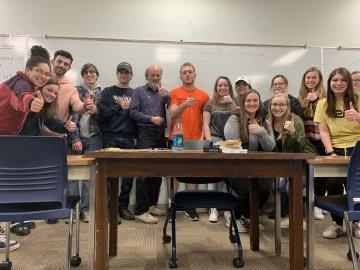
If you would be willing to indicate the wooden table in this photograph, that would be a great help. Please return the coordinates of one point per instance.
(139, 163)
(82, 168)
(321, 166)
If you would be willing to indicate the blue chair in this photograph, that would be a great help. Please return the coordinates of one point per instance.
(347, 206)
(33, 183)
(187, 199)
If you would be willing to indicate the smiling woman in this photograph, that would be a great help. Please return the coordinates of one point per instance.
(17, 94)
(339, 124)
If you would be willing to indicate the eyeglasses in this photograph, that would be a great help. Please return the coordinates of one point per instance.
(278, 84)
(90, 71)
(278, 105)
(40, 72)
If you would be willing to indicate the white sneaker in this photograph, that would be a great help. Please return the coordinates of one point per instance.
(318, 213)
(333, 231)
(227, 216)
(284, 224)
(246, 222)
(146, 218)
(13, 244)
(356, 229)
(239, 222)
(241, 226)
(213, 215)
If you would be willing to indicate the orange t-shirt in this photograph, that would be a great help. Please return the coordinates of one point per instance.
(191, 117)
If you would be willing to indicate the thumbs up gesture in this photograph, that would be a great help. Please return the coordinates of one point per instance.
(37, 103)
(254, 127)
(290, 125)
(89, 104)
(226, 99)
(70, 125)
(162, 92)
(352, 114)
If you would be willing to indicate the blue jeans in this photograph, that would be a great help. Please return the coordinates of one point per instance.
(127, 183)
(89, 144)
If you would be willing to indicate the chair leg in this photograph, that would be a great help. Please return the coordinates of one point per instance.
(173, 260)
(76, 259)
(239, 261)
(69, 247)
(351, 242)
(166, 238)
(7, 264)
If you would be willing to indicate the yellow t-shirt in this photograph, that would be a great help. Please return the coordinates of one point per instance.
(343, 133)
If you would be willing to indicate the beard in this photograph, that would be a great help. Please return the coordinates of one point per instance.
(59, 71)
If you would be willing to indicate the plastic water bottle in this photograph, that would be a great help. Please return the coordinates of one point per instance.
(178, 137)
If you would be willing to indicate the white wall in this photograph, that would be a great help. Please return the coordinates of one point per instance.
(311, 22)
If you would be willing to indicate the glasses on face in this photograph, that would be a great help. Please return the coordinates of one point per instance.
(40, 72)
(278, 84)
(90, 71)
(274, 105)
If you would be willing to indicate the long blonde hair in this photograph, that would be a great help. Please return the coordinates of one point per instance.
(286, 117)
(244, 118)
(308, 107)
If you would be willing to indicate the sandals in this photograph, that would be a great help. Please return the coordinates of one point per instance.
(22, 228)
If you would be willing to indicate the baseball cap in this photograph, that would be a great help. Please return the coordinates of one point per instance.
(243, 78)
(124, 65)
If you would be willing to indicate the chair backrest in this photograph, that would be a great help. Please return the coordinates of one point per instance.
(353, 180)
(196, 144)
(33, 170)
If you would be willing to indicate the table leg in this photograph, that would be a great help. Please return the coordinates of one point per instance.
(91, 242)
(277, 217)
(114, 193)
(296, 248)
(310, 229)
(254, 215)
(101, 208)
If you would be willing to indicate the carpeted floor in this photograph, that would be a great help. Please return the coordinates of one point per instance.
(201, 245)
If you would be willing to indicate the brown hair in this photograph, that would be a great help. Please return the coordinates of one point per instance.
(216, 98)
(244, 118)
(287, 116)
(349, 93)
(49, 110)
(309, 107)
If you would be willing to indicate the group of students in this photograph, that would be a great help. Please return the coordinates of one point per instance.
(319, 121)
(42, 101)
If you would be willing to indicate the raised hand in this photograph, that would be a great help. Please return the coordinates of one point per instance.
(290, 125)
(70, 125)
(37, 103)
(227, 99)
(77, 147)
(189, 102)
(254, 127)
(124, 103)
(352, 114)
(157, 120)
(89, 104)
(162, 92)
(311, 96)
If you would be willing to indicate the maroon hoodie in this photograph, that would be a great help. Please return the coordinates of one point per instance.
(16, 95)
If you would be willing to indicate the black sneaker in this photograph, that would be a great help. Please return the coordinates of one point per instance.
(192, 214)
(126, 214)
(52, 221)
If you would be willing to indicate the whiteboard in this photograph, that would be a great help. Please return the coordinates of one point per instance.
(260, 63)
(13, 54)
(334, 58)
